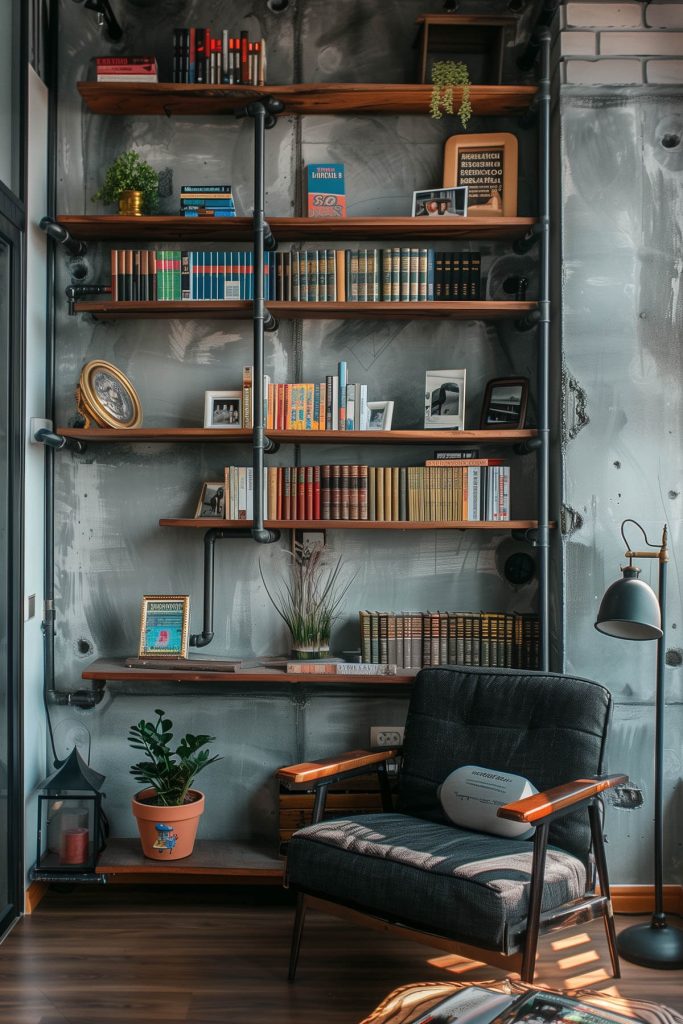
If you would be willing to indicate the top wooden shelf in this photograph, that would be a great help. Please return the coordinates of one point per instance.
(172, 99)
(291, 229)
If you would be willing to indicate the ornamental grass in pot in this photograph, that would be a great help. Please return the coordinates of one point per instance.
(168, 810)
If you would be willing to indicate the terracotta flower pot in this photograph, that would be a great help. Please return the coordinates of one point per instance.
(167, 833)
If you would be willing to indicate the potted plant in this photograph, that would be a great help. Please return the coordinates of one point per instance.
(168, 810)
(308, 600)
(131, 183)
(446, 76)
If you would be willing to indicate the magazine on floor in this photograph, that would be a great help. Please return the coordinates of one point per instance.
(474, 1005)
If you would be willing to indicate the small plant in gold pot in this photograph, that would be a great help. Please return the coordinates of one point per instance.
(168, 809)
(131, 183)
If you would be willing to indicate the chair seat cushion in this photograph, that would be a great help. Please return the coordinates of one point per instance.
(440, 878)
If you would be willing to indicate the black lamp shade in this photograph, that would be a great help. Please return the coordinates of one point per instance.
(630, 610)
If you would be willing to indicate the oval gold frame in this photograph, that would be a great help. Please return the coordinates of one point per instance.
(90, 406)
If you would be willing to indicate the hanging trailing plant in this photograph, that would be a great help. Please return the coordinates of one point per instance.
(446, 76)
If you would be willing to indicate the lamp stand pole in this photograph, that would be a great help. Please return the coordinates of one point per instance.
(656, 944)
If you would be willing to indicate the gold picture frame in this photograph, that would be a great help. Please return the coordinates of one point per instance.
(487, 165)
(164, 626)
(105, 397)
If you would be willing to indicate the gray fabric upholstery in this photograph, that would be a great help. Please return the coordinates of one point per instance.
(437, 877)
(549, 728)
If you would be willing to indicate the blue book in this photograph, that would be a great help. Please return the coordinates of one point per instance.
(430, 275)
(326, 190)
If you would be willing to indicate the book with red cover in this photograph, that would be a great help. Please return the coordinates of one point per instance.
(309, 492)
(316, 492)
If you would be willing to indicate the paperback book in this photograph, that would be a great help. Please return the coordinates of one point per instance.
(326, 193)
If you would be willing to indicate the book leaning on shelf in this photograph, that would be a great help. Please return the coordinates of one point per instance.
(427, 639)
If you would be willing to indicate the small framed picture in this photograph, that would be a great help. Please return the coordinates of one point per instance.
(487, 165)
(380, 415)
(164, 626)
(504, 405)
(211, 504)
(445, 399)
(440, 202)
(223, 409)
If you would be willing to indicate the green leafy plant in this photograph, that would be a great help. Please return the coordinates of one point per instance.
(308, 600)
(169, 772)
(130, 172)
(446, 76)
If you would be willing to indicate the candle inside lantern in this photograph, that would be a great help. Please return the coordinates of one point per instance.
(74, 847)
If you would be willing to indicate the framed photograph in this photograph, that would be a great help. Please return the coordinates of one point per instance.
(211, 504)
(504, 405)
(106, 397)
(445, 399)
(223, 409)
(487, 165)
(440, 202)
(164, 626)
(380, 415)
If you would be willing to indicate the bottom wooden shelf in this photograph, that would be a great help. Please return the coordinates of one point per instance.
(231, 862)
(207, 523)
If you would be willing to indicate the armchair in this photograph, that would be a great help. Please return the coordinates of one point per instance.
(483, 896)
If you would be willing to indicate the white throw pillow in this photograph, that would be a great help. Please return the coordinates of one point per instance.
(471, 795)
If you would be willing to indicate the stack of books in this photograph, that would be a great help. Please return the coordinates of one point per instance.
(222, 58)
(399, 274)
(379, 494)
(422, 639)
(331, 405)
(207, 201)
(173, 276)
(127, 69)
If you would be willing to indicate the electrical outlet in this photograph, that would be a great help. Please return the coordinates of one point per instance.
(386, 735)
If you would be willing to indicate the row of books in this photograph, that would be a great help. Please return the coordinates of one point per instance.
(422, 639)
(331, 405)
(399, 274)
(127, 69)
(207, 201)
(222, 58)
(380, 494)
(139, 275)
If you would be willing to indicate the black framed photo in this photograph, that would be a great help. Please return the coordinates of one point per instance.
(505, 402)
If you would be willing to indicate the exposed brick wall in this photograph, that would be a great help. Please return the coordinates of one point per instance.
(620, 42)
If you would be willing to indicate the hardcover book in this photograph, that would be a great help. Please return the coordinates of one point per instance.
(326, 192)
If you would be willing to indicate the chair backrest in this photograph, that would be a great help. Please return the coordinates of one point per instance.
(547, 727)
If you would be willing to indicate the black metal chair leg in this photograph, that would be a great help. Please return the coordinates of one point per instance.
(603, 878)
(535, 900)
(296, 935)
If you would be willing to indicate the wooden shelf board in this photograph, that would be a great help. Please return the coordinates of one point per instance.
(114, 670)
(233, 860)
(170, 99)
(291, 229)
(124, 435)
(211, 310)
(352, 524)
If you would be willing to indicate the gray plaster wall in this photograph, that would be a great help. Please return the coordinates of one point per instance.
(622, 320)
(109, 548)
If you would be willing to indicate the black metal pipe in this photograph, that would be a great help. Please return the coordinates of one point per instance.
(57, 441)
(526, 243)
(77, 291)
(62, 236)
(263, 114)
(526, 60)
(105, 16)
(204, 638)
(543, 386)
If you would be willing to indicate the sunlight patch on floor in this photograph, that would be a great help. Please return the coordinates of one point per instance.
(455, 964)
(586, 956)
(569, 941)
(583, 980)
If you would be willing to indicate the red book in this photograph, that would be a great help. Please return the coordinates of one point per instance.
(309, 492)
(244, 58)
(114, 275)
(301, 492)
(353, 491)
(279, 493)
(123, 62)
(362, 492)
(316, 492)
(286, 493)
(344, 487)
(202, 48)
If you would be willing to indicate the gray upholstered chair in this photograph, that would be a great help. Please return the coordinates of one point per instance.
(483, 896)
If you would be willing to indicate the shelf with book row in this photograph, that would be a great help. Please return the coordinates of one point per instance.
(116, 228)
(356, 524)
(207, 309)
(191, 435)
(116, 670)
(179, 99)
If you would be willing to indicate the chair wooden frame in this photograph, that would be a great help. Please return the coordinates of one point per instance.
(538, 810)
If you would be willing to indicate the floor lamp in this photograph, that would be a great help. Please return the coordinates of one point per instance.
(630, 610)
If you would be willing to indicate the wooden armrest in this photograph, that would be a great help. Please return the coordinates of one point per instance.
(541, 805)
(312, 771)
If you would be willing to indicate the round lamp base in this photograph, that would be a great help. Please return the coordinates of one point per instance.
(652, 946)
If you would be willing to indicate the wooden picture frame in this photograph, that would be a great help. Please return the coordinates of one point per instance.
(487, 165)
(164, 626)
(504, 404)
(106, 397)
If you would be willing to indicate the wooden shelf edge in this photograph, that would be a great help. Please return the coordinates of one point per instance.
(105, 435)
(211, 857)
(353, 524)
(115, 670)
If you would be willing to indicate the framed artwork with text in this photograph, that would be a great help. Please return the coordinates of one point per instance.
(487, 165)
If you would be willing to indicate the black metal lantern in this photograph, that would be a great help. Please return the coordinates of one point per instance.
(70, 831)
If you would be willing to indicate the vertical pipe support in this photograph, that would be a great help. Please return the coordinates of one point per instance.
(543, 386)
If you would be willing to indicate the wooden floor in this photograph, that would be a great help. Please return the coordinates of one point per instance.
(206, 955)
